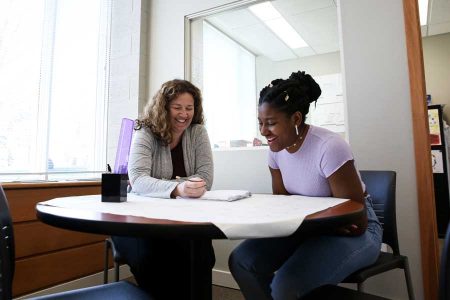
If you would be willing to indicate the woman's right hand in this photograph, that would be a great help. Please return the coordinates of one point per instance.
(192, 188)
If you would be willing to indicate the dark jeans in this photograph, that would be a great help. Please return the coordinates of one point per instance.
(161, 266)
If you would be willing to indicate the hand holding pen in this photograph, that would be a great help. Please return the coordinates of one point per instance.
(194, 187)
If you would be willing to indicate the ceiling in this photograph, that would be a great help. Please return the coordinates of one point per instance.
(316, 22)
(438, 18)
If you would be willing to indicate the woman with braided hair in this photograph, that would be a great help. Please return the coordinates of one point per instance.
(310, 161)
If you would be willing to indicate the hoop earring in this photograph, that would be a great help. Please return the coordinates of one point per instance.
(296, 129)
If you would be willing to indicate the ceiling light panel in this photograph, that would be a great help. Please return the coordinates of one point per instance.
(265, 11)
(423, 11)
(275, 21)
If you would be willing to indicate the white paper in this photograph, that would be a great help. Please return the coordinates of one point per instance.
(223, 195)
(437, 162)
(255, 217)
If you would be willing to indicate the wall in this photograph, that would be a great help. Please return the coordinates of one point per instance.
(379, 117)
(436, 58)
(323, 64)
(327, 115)
(379, 112)
(128, 66)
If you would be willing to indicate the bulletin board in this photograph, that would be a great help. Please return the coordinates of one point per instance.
(329, 111)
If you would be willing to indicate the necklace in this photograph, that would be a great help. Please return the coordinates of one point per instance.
(300, 138)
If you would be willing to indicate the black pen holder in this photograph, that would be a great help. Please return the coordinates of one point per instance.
(114, 187)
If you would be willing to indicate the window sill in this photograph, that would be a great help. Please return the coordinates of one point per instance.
(48, 184)
(257, 148)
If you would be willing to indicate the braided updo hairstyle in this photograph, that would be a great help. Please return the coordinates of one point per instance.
(290, 95)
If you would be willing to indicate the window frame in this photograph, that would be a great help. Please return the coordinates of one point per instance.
(39, 170)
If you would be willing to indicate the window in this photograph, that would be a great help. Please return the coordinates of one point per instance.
(229, 90)
(53, 83)
(231, 83)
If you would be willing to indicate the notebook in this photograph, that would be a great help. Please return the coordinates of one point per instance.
(223, 195)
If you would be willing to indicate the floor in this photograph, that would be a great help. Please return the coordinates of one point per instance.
(218, 292)
(223, 293)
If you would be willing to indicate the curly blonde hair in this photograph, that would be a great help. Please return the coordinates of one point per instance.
(156, 115)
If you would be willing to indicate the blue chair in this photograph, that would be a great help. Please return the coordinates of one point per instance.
(381, 187)
(117, 290)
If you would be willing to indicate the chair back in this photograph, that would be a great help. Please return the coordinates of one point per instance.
(6, 249)
(381, 187)
(444, 272)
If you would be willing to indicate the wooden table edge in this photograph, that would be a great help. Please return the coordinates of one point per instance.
(349, 208)
(96, 221)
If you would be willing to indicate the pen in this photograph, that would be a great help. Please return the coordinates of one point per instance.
(108, 168)
(195, 179)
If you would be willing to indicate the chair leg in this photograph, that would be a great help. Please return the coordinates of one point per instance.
(361, 287)
(116, 271)
(408, 280)
(116, 259)
(105, 268)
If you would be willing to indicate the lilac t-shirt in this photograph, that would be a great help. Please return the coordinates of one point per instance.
(305, 172)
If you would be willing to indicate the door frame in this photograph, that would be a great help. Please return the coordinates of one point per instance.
(422, 149)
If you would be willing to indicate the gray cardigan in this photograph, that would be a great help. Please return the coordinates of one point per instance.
(150, 162)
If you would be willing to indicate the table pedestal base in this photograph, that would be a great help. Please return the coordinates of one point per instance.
(201, 263)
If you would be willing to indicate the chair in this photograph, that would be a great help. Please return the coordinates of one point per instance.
(120, 167)
(117, 260)
(444, 272)
(335, 292)
(381, 187)
(116, 290)
(7, 253)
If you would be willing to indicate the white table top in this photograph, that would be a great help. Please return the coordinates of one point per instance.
(261, 215)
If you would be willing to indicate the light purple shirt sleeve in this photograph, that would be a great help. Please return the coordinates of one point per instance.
(272, 161)
(335, 153)
(306, 171)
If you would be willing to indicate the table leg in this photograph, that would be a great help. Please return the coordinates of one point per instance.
(201, 263)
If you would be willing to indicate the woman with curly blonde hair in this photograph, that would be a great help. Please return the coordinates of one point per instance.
(156, 112)
(171, 147)
(170, 156)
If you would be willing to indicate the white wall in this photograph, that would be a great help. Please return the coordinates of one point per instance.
(316, 65)
(128, 66)
(323, 64)
(379, 112)
(379, 117)
(436, 57)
